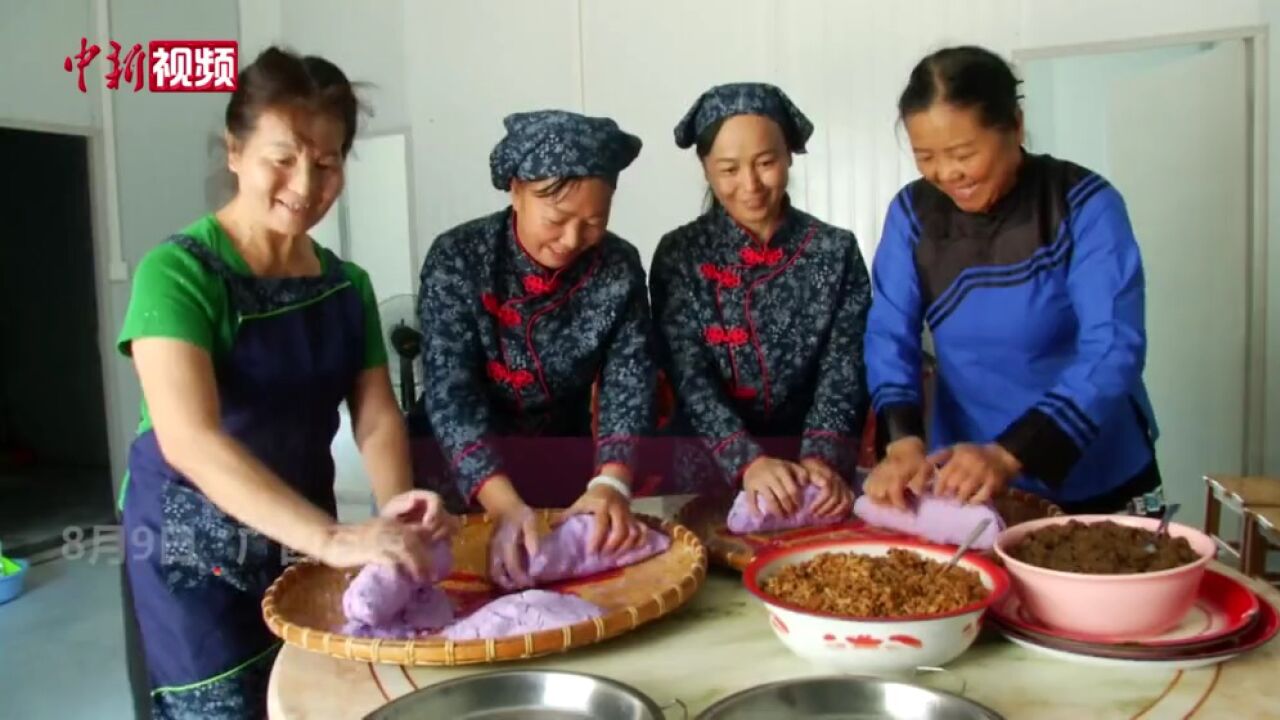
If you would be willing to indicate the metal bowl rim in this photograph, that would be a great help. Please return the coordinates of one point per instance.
(646, 701)
(725, 701)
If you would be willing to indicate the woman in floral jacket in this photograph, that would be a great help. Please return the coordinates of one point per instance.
(525, 311)
(761, 310)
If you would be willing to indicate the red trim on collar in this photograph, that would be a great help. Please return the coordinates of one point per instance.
(752, 255)
(538, 285)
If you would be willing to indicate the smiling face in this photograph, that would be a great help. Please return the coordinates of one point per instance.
(747, 169)
(973, 163)
(289, 169)
(556, 228)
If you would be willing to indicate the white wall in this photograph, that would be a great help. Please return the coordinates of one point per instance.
(644, 65)
(471, 64)
(365, 39)
(260, 26)
(36, 36)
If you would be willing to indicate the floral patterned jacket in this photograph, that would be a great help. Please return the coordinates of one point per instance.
(764, 339)
(511, 348)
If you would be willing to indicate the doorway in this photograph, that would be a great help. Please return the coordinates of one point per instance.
(54, 456)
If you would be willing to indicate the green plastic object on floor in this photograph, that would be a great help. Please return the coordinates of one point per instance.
(8, 567)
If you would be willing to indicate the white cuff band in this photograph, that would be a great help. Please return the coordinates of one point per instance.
(612, 482)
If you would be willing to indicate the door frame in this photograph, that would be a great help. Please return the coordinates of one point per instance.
(1255, 39)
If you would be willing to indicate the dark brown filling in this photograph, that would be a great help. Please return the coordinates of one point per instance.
(1101, 548)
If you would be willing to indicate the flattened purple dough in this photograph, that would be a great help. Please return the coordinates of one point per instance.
(526, 612)
(942, 520)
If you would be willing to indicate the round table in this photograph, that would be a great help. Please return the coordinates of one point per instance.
(721, 643)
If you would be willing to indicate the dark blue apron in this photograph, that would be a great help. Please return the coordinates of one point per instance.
(197, 575)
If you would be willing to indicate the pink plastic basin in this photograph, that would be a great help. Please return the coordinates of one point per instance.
(1107, 607)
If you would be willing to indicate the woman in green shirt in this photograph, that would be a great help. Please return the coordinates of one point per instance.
(246, 336)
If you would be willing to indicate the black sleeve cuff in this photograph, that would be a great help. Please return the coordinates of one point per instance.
(1045, 450)
(895, 422)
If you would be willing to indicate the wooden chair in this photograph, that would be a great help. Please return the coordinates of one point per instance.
(1261, 537)
(1240, 495)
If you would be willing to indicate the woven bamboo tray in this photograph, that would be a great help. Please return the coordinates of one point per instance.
(705, 516)
(304, 605)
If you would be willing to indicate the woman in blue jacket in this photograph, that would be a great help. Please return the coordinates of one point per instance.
(1026, 271)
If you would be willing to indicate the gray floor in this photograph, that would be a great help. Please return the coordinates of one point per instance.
(62, 640)
(61, 644)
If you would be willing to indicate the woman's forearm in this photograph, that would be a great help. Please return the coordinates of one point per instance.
(384, 449)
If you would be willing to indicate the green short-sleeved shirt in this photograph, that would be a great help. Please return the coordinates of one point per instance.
(174, 296)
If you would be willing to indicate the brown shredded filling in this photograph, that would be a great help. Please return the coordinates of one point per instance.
(902, 583)
(1101, 548)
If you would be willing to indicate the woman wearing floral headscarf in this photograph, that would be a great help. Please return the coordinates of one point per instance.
(761, 310)
(522, 312)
